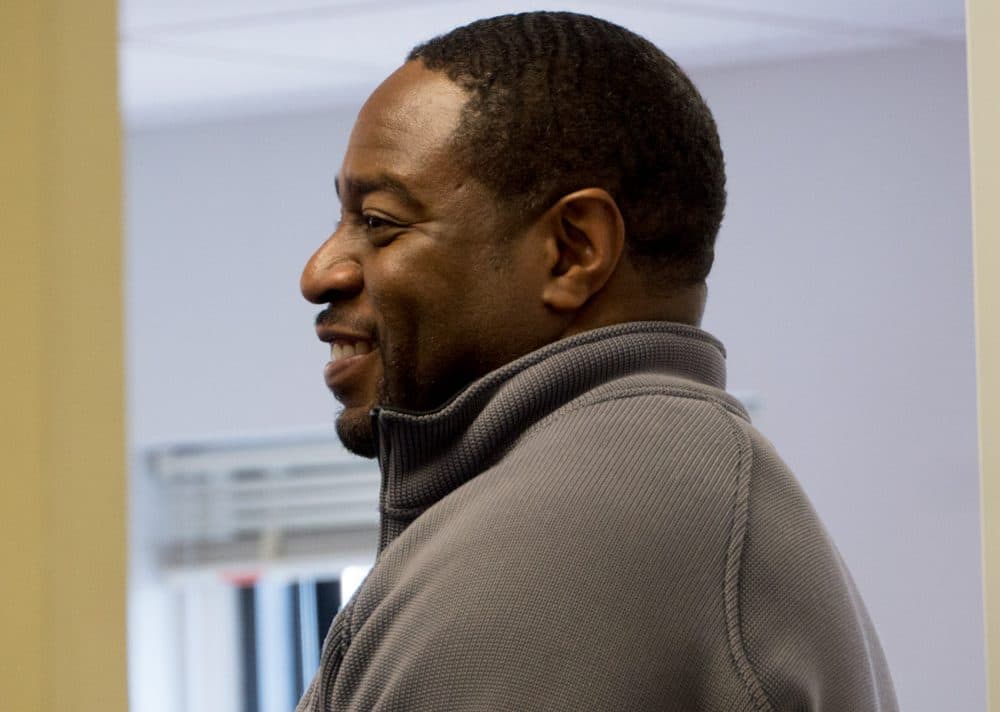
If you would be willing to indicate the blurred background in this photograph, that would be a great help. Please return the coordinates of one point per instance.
(842, 290)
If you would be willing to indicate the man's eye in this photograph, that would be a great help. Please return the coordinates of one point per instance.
(373, 222)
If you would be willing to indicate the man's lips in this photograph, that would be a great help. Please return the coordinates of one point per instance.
(351, 353)
(344, 374)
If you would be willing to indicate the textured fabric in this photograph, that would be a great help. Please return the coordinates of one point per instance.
(597, 526)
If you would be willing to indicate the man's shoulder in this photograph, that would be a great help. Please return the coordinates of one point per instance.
(654, 412)
(664, 438)
(674, 391)
(647, 435)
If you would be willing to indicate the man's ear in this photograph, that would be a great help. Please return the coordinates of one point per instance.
(585, 240)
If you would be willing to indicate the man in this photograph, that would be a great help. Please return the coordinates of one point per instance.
(574, 514)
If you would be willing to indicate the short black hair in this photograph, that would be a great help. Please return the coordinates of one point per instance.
(562, 101)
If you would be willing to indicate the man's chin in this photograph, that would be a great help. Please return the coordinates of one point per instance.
(355, 432)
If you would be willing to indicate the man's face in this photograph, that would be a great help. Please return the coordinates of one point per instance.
(425, 290)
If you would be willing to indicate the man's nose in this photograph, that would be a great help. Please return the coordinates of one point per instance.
(331, 275)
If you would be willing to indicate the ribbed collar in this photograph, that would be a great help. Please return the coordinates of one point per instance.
(424, 456)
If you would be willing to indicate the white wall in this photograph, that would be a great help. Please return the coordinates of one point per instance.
(842, 290)
(221, 219)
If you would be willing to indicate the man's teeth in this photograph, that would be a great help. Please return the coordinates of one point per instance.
(346, 349)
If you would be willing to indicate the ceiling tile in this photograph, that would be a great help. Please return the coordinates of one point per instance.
(180, 57)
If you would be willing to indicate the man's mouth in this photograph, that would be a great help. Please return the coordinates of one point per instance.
(351, 368)
(341, 349)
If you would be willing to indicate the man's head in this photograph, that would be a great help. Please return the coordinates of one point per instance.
(561, 101)
(500, 192)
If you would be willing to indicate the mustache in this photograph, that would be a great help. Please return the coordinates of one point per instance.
(334, 315)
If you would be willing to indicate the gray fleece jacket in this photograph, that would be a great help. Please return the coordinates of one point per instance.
(597, 526)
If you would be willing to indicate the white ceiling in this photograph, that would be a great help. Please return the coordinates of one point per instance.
(189, 59)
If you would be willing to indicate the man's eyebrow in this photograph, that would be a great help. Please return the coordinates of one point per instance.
(360, 187)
